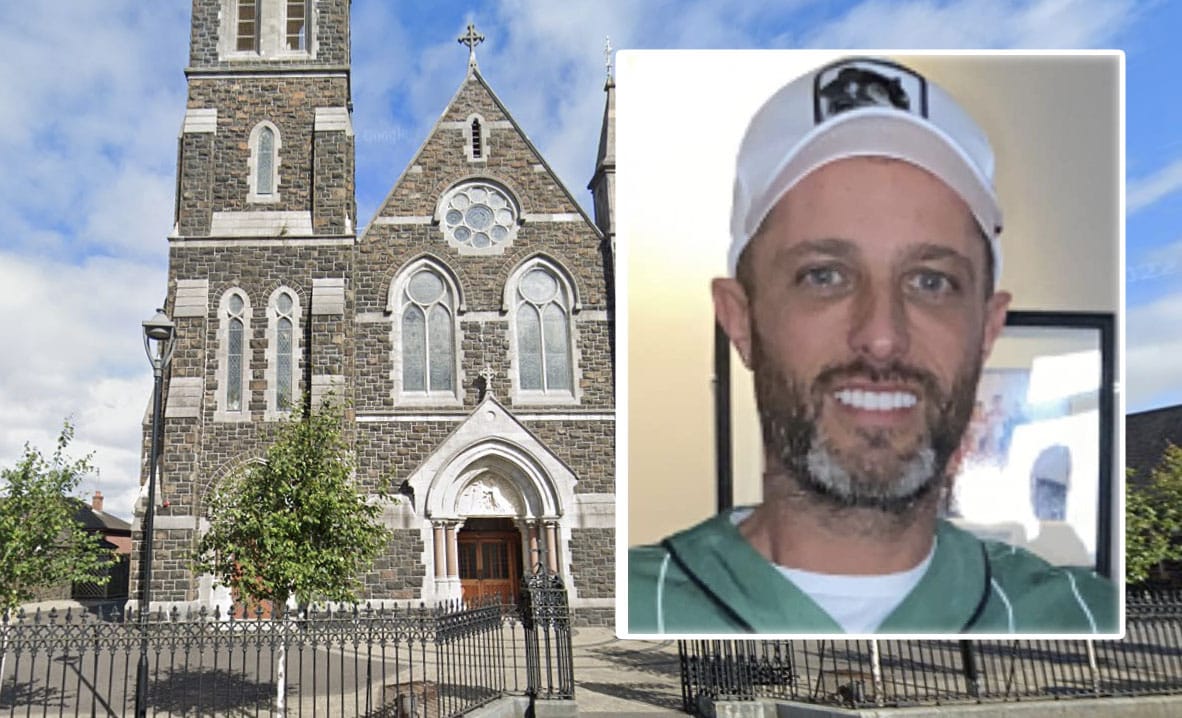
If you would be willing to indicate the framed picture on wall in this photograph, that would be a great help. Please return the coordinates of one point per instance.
(1035, 467)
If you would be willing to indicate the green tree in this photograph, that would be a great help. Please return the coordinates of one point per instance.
(294, 525)
(41, 544)
(1153, 517)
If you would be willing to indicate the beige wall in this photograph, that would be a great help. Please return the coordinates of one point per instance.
(1055, 123)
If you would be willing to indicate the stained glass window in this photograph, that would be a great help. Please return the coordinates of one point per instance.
(428, 344)
(543, 334)
(479, 215)
(235, 351)
(284, 351)
(264, 183)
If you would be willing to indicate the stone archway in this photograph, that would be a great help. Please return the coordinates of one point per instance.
(491, 467)
(492, 519)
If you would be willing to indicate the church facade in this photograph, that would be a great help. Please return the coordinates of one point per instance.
(468, 328)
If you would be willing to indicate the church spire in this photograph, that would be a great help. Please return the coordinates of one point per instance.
(603, 183)
(471, 38)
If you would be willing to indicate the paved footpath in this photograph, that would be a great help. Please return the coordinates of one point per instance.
(623, 677)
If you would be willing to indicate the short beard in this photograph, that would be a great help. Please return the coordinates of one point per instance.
(789, 414)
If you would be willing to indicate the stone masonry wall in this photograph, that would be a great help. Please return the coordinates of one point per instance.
(389, 451)
(593, 568)
(195, 203)
(398, 573)
(222, 183)
(332, 199)
(588, 447)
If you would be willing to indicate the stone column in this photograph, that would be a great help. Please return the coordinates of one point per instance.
(453, 568)
(531, 528)
(438, 535)
(552, 561)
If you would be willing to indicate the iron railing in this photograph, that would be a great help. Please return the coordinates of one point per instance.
(438, 661)
(901, 673)
(549, 656)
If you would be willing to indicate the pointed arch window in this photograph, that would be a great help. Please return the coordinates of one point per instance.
(264, 163)
(233, 398)
(477, 144)
(475, 138)
(283, 352)
(544, 359)
(424, 299)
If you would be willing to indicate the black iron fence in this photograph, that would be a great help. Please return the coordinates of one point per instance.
(900, 673)
(546, 621)
(422, 662)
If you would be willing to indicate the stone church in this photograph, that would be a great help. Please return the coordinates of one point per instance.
(468, 328)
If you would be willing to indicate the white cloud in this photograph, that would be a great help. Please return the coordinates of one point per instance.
(1153, 368)
(977, 23)
(1145, 191)
(92, 103)
(73, 351)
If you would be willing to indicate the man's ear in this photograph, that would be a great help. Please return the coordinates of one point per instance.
(995, 320)
(733, 312)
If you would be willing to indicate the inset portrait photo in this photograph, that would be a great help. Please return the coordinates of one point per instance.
(868, 311)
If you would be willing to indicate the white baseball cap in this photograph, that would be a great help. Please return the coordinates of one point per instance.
(858, 107)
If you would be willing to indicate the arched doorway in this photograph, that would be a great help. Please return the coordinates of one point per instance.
(490, 552)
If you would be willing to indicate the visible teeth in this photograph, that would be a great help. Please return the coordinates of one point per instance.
(876, 400)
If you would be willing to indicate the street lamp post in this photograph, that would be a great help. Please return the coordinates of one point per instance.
(159, 341)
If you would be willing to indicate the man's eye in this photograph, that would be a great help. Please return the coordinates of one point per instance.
(821, 277)
(933, 283)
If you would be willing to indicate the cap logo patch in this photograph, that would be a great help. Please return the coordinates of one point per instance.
(853, 84)
(859, 88)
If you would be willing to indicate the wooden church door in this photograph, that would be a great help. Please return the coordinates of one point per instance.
(490, 560)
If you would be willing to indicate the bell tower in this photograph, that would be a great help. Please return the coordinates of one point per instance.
(267, 145)
(260, 253)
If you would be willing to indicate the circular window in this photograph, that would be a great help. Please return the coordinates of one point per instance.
(425, 287)
(479, 216)
(538, 286)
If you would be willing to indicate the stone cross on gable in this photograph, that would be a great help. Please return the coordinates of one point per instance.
(471, 38)
(487, 375)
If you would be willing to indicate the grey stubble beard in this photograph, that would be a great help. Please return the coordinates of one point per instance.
(789, 415)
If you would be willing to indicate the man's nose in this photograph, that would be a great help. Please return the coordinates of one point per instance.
(878, 331)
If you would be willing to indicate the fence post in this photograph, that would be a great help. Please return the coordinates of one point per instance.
(969, 663)
(545, 619)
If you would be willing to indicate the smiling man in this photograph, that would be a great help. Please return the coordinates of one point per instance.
(865, 259)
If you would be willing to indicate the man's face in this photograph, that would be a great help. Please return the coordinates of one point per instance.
(865, 322)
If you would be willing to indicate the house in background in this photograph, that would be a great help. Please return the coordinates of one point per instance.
(1147, 433)
(116, 536)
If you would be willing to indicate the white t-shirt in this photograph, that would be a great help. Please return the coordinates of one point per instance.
(859, 604)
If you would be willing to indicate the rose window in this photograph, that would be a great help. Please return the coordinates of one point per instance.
(479, 216)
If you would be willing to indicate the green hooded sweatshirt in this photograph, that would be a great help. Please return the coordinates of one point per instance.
(708, 579)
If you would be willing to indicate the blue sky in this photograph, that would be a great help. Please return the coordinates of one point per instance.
(92, 97)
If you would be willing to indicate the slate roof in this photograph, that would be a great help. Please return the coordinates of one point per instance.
(99, 520)
(1146, 436)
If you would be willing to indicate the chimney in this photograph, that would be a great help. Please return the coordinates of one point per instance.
(97, 502)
